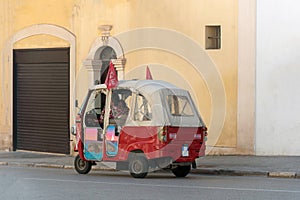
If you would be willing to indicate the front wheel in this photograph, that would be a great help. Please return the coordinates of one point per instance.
(81, 166)
(181, 171)
(138, 166)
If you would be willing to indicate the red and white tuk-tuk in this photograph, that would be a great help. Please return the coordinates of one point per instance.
(142, 125)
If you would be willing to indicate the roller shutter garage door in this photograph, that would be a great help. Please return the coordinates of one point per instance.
(41, 100)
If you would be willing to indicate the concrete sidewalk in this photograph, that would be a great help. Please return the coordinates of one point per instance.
(271, 166)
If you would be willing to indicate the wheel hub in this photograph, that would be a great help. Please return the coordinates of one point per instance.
(137, 167)
(81, 164)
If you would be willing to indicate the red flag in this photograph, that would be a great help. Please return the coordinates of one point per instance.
(111, 80)
(148, 74)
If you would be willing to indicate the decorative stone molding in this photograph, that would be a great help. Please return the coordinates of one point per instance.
(98, 46)
(105, 29)
(120, 65)
(92, 62)
(93, 67)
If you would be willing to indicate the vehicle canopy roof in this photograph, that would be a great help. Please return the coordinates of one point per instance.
(160, 95)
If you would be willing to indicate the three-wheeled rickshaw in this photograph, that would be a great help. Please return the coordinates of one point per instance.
(142, 125)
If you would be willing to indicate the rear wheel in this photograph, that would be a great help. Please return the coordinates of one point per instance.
(138, 166)
(81, 166)
(181, 171)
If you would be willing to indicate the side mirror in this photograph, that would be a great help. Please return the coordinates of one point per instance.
(73, 130)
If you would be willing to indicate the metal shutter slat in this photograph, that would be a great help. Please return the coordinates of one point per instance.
(41, 100)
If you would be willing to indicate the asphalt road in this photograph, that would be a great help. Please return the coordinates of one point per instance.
(44, 183)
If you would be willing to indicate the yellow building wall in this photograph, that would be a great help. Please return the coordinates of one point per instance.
(82, 18)
(40, 41)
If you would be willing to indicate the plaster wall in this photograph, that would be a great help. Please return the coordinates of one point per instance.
(277, 83)
(81, 19)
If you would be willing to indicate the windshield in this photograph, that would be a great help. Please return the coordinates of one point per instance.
(82, 105)
(93, 116)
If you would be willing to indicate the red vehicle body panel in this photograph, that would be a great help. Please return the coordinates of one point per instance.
(146, 139)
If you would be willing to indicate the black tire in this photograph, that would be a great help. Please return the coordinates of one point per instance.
(138, 166)
(181, 171)
(81, 166)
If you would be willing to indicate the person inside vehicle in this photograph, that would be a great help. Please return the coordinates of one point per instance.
(119, 110)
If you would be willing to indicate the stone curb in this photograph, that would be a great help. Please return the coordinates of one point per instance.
(213, 171)
(283, 175)
(17, 164)
(68, 167)
(3, 163)
(48, 165)
(207, 171)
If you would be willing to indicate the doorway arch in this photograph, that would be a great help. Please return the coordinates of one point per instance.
(39, 29)
(107, 54)
(100, 54)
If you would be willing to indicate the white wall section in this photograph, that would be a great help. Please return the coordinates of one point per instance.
(278, 78)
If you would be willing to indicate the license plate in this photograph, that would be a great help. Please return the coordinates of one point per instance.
(185, 150)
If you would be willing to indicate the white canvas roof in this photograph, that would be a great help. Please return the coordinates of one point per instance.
(156, 93)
